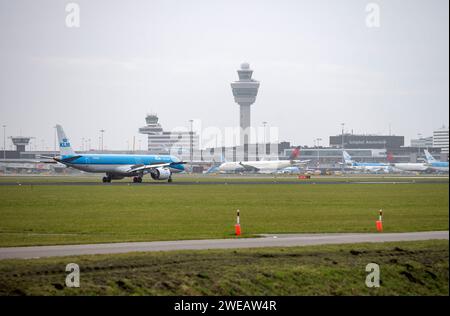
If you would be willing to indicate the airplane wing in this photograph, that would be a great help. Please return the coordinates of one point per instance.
(248, 167)
(300, 162)
(136, 168)
(45, 157)
(67, 160)
(29, 161)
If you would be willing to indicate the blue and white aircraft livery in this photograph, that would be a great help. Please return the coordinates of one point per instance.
(435, 164)
(116, 167)
(365, 166)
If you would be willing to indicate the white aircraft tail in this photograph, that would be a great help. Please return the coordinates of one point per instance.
(222, 159)
(430, 158)
(65, 148)
(347, 157)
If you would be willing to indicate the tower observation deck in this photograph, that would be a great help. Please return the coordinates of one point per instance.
(245, 91)
(20, 142)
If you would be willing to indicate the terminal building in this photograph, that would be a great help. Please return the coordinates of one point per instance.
(368, 148)
(162, 142)
(440, 139)
(423, 142)
(366, 141)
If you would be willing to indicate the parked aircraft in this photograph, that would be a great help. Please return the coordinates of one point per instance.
(435, 164)
(365, 166)
(263, 166)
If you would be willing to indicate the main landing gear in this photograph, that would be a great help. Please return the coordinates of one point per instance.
(169, 180)
(106, 179)
(137, 179)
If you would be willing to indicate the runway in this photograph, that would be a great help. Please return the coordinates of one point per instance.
(282, 240)
(175, 183)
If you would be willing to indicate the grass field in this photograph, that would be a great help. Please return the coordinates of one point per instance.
(42, 215)
(406, 268)
(200, 178)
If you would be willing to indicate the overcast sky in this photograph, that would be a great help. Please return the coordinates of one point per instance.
(318, 63)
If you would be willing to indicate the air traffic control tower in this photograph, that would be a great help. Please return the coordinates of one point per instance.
(20, 142)
(244, 92)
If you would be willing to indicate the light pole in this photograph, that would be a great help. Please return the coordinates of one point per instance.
(102, 131)
(419, 135)
(4, 142)
(54, 140)
(191, 152)
(265, 146)
(318, 150)
(343, 125)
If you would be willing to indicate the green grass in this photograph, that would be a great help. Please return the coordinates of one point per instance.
(29, 179)
(43, 215)
(407, 268)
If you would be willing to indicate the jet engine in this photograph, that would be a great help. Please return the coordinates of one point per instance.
(160, 174)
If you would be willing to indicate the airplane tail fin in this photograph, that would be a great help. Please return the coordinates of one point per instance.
(347, 157)
(430, 158)
(390, 157)
(222, 159)
(65, 148)
(295, 153)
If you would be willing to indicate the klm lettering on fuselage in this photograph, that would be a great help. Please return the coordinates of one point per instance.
(64, 143)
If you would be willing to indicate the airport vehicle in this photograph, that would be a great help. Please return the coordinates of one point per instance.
(263, 166)
(434, 164)
(116, 167)
(365, 166)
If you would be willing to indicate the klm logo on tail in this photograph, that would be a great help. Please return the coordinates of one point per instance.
(64, 143)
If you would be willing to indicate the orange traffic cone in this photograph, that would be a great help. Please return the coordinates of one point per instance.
(237, 227)
(379, 222)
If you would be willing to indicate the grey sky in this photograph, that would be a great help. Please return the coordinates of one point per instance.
(318, 63)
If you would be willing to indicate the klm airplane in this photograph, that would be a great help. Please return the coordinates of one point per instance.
(116, 167)
(434, 164)
(365, 166)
